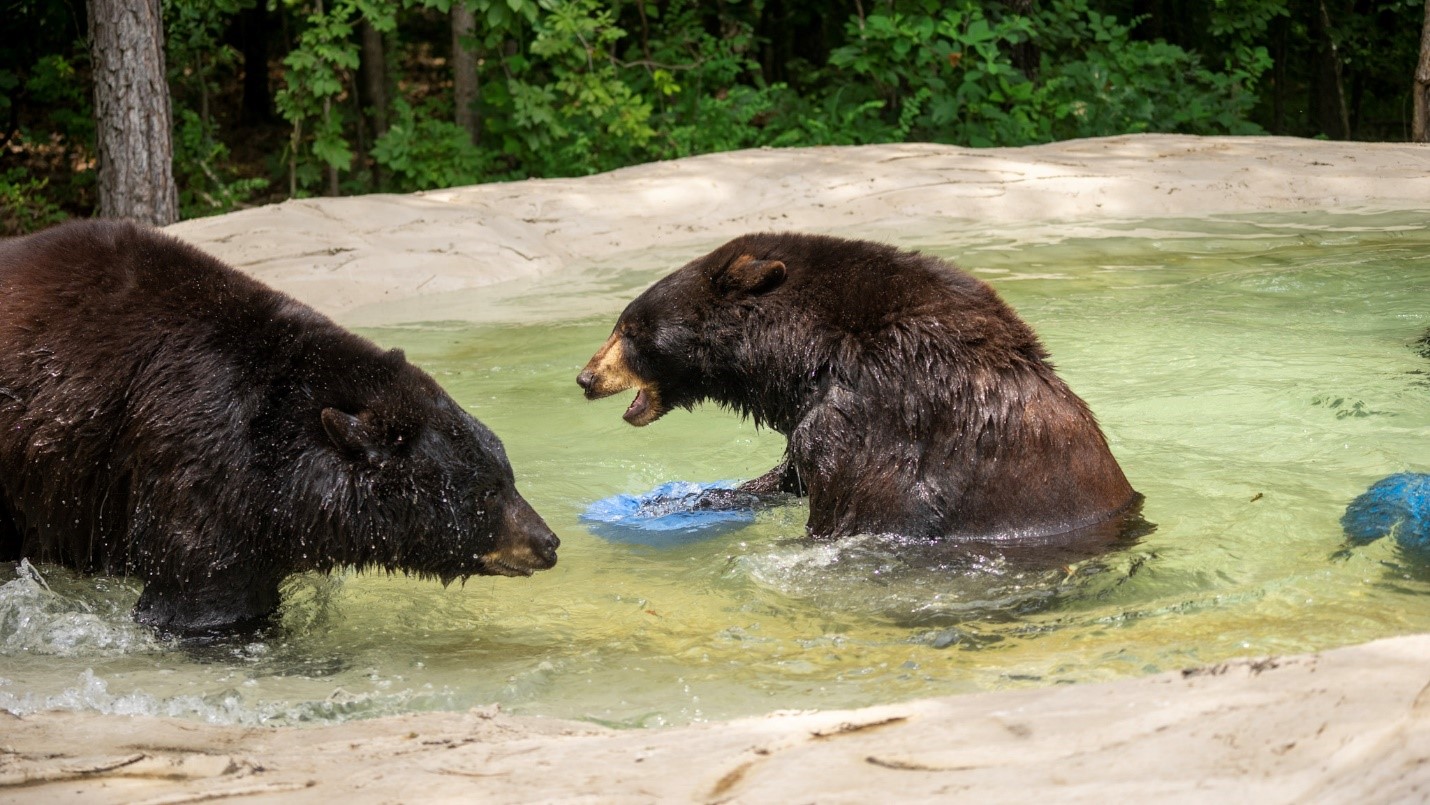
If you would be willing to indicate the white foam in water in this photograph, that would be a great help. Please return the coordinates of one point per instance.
(891, 577)
(228, 706)
(36, 619)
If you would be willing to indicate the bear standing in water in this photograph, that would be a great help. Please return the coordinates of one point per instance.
(914, 400)
(167, 417)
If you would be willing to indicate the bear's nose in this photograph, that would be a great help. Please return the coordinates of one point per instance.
(586, 379)
(545, 547)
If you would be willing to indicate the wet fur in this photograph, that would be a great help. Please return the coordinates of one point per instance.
(915, 401)
(165, 416)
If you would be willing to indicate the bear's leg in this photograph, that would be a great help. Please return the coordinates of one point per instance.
(782, 480)
(10, 547)
(221, 604)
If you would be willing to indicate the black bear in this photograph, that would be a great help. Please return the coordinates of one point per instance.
(165, 416)
(914, 400)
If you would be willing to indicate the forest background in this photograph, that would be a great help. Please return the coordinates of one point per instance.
(273, 99)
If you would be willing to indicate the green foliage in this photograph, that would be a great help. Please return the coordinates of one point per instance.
(426, 152)
(52, 172)
(314, 79)
(1105, 82)
(496, 19)
(706, 86)
(569, 87)
(54, 84)
(737, 117)
(948, 76)
(206, 185)
(571, 111)
(24, 206)
(199, 63)
(944, 74)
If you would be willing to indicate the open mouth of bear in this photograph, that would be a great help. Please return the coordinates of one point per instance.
(638, 407)
(645, 408)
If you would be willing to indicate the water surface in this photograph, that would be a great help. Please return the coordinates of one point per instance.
(1253, 374)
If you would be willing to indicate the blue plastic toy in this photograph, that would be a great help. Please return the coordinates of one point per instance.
(1398, 505)
(674, 513)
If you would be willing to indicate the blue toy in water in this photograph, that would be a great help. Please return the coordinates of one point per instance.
(1398, 505)
(674, 513)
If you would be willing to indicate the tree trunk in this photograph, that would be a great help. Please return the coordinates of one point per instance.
(1279, 57)
(253, 38)
(1335, 118)
(1024, 55)
(131, 109)
(334, 188)
(374, 77)
(332, 170)
(1420, 126)
(372, 95)
(464, 71)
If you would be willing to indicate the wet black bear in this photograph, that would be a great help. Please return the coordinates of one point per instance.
(164, 416)
(914, 400)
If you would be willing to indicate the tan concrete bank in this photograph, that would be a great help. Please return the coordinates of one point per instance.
(1350, 725)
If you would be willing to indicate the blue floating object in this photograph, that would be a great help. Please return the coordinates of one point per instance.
(1397, 505)
(673, 513)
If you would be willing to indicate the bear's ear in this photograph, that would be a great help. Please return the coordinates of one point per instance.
(748, 275)
(353, 435)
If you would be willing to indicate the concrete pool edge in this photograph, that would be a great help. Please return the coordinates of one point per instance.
(346, 256)
(1342, 721)
(1341, 725)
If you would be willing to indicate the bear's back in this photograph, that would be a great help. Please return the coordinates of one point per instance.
(870, 291)
(127, 356)
(119, 274)
(974, 435)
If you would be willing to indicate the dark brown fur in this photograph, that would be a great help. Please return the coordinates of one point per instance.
(165, 416)
(915, 401)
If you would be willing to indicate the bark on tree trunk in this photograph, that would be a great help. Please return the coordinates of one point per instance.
(334, 188)
(131, 109)
(1335, 112)
(464, 72)
(253, 34)
(373, 104)
(1279, 57)
(1420, 126)
(374, 75)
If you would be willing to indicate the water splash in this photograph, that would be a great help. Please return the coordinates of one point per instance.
(907, 582)
(228, 706)
(36, 618)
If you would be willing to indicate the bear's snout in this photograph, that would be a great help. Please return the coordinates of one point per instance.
(544, 546)
(526, 543)
(586, 380)
(609, 373)
(606, 373)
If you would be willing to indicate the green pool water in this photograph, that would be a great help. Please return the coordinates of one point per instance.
(1253, 374)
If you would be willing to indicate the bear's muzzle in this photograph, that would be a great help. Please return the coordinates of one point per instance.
(526, 544)
(609, 373)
